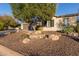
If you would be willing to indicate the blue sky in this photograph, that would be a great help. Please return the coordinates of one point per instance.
(63, 8)
(5, 9)
(67, 8)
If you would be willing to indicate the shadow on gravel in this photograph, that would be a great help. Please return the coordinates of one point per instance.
(73, 37)
(2, 34)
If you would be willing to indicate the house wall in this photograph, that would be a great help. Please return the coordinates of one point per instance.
(58, 21)
(72, 20)
(56, 27)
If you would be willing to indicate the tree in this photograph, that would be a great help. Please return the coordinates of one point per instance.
(26, 11)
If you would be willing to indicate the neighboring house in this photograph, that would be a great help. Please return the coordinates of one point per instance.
(55, 24)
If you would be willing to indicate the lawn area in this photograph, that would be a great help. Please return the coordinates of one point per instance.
(65, 46)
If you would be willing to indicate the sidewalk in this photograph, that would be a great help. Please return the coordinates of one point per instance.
(4, 51)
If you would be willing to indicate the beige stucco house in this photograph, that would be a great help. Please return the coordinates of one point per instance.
(56, 22)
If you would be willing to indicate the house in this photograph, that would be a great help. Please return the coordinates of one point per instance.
(55, 24)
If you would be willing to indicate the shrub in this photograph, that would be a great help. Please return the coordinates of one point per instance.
(1, 25)
(8, 21)
(68, 29)
(77, 28)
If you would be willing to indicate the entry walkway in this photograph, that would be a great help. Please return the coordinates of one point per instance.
(4, 51)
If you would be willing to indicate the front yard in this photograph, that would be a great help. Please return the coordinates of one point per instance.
(64, 46)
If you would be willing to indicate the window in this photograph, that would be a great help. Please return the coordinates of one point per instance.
(50, 23)
(66, 21)
(77, 18)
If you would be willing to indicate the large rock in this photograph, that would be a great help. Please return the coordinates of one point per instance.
(38, 36)
(26, 40)
(75, 34)
(54, 37)
(33, 36)
(37, 32)
(17, 29)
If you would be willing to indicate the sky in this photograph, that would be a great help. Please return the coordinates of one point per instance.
(5, 9)
(67, 8)
(62, 9)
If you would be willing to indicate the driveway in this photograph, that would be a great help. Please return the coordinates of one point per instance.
(4, 51)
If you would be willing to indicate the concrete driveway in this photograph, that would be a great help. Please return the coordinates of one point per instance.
(4, 51)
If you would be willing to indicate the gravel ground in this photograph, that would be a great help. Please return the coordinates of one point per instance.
(65, 46)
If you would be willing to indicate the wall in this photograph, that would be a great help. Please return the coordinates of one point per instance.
(72, 20)
(58, 21)
(56, 27)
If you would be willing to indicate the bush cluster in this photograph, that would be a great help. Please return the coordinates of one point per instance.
(68, 29)
(77, 28)
(6, 21)
(1, 25)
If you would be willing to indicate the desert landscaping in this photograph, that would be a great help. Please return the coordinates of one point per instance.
(49, 43)
(36, 30)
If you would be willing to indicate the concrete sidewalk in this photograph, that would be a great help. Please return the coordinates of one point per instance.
(4, 51)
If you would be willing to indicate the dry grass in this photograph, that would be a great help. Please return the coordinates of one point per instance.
(38, 47)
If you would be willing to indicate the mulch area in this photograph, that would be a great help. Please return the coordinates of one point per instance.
(65, 46)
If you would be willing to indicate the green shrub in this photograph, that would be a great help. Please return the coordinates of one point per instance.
(1, 25)
(77, 28)
(68, 29)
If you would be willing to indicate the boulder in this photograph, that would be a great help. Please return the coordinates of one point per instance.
(37, 32)
(41, 36)
(38, 36)
(54, 37)
(17, 29)
(33, 36)
(75, 34)
(26, 40)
